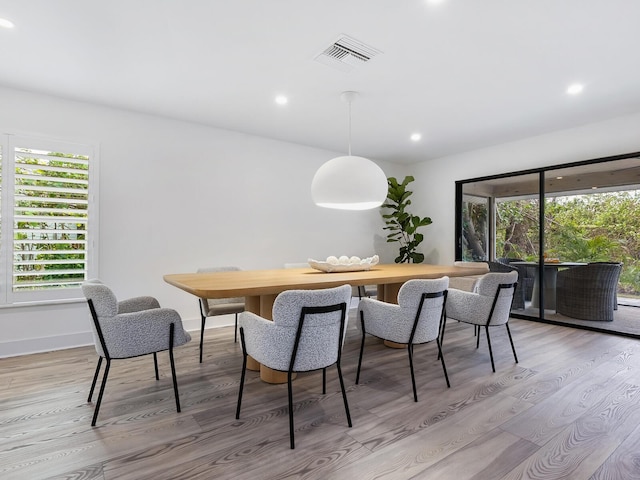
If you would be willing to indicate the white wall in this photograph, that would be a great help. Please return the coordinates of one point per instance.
(175, 196)
(435, 180)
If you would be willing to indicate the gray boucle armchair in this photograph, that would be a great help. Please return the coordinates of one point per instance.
(488, 307)
(416, 319)
(130, 328)
(307, 333)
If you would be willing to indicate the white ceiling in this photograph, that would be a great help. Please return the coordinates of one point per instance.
(465, 73)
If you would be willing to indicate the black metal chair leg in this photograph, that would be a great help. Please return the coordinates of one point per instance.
(444, 368)
(361, 348)
(102, 385)
(235, 331)
(155, 365)
(413, 378)
(344, 395)
(95, 379)
(289, 388)
(324, 380)
(477, 329)
(242, 375)
(203, 320)
(173, 367)
(490, 350)
(511, 340)
(443, 326)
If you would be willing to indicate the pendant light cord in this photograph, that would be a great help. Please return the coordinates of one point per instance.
(349, 128)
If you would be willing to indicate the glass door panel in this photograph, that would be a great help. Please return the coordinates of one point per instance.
(475, 228)
(500, 224)
(585, 215)
(591, 219)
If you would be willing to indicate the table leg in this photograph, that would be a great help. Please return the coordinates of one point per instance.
(550, 277)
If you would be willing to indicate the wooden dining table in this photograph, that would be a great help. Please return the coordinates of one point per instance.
(260, 287)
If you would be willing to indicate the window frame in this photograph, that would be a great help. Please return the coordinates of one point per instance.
(8, 143)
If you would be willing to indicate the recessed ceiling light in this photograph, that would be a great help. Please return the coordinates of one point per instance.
(415, 137)
(281, 100)
(575, 89)
(594, 188)
(6, 23)
(558, 178)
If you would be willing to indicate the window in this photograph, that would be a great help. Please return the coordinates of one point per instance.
(48, 211)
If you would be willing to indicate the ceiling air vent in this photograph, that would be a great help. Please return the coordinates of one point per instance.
(346, 53)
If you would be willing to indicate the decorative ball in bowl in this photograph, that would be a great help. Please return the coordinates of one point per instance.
(344, 264)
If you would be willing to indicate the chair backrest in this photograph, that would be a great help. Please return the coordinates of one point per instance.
(220, 301)
(311, 335)
(103, 299)
(422, 303)
(103, 304)
(507, 260)
(501, 267)
(600, 273)
(500, 287)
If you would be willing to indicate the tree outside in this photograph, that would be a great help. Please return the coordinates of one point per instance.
(578, 228)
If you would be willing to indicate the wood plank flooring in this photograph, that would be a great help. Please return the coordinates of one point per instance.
(570, 409)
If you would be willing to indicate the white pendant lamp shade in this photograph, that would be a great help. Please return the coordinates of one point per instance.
(349, 183)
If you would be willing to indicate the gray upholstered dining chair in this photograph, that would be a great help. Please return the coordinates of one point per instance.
(488, 306)
(212, 307)
(130, 328)
(307, 333)
(519, 294)
(416, 319)
(588, 292)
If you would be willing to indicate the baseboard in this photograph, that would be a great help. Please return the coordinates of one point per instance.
(45, 344)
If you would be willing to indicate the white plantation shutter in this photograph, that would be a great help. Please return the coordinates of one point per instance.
(47, 238)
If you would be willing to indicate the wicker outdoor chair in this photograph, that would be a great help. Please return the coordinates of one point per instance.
(588, 292)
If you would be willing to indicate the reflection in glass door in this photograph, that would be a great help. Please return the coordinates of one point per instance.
(475, 228)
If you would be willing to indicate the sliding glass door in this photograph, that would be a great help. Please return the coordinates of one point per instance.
(571, 231)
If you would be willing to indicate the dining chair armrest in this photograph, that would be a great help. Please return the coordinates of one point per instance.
(137, 304)
(378, 316)
(468, 306)
(265, 341)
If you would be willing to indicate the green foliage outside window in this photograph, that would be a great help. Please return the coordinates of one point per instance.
(581, 228)
(50, 251)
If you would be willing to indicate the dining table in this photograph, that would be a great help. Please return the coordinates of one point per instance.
(261, 287)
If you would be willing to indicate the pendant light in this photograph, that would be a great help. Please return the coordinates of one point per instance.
(349, 182)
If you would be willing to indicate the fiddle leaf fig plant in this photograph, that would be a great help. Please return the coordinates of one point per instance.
(403, 226)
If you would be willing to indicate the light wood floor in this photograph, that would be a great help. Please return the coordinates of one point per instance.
(570, 409)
